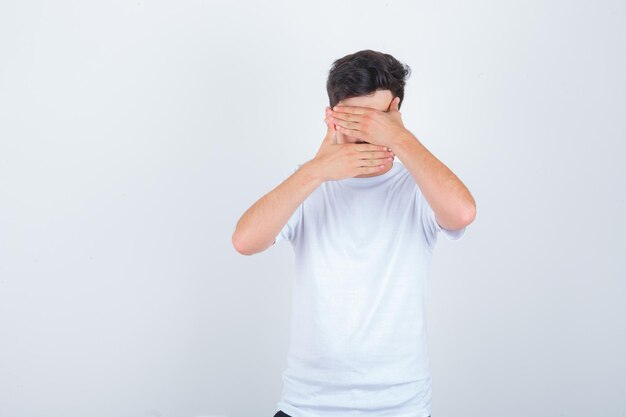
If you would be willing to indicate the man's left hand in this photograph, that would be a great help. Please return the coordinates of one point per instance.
(371, 125)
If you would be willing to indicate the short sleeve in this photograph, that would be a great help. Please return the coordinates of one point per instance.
(430, 225)
(288, 232)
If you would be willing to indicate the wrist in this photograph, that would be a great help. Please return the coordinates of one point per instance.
(312, 171)
(400, 141)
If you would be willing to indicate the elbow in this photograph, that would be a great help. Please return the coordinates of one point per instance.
(247, 246)
(469, 215)
(240, 246)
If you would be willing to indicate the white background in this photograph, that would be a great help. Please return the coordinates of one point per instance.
(133, 135)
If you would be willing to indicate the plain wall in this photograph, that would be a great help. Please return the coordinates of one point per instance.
(134, 134)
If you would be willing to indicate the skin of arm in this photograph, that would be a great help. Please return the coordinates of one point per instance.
(258, 227)
(451, 201)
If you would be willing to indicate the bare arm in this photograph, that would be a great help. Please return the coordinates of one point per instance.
(258, 227)
(451, 201)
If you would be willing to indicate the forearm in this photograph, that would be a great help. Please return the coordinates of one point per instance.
(451, 201)
(260, 224)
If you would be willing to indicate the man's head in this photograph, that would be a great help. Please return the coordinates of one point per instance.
(368, 79)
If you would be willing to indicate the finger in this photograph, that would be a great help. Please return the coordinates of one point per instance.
(375, 155)
(344, 123)
(348, 117)
(348, 131)
(369, 170)
(330, 132)
(367, 147)
(352, 109)
(375, 161)
(334, 127)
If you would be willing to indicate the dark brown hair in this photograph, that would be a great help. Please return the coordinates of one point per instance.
(364, 72)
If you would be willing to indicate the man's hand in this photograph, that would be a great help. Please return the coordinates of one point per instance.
(371, 125)
(335, 161)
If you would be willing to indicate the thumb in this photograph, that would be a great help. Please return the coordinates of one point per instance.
(329, 139)
(330, 132)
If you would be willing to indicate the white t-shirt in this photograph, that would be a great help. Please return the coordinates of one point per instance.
(358, 342)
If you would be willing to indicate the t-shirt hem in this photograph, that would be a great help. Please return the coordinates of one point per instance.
(296, 412)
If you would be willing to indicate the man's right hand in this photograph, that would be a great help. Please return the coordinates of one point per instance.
(335, 161)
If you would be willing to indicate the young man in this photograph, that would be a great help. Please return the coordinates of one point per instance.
(363, 226)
